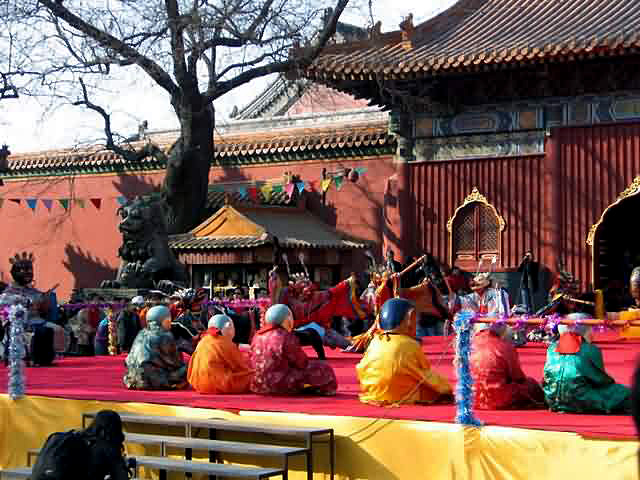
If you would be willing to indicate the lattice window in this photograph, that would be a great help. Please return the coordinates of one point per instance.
(476, 231)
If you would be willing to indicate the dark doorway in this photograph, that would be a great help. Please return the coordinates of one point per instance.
(616, 243)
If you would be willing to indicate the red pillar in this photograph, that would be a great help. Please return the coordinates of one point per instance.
(397, 211)
(552, 234)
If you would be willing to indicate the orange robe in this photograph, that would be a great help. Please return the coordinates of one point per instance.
(395, 370)
(217, 366)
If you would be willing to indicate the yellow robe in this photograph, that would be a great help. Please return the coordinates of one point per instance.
(218, 366)
(395, 370)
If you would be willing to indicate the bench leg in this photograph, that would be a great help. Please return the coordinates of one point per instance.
(213, 456)
(188, 453)
(332, 453)
(285, 467)
(310, 464)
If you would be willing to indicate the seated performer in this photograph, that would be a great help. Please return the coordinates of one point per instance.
(154, 362)
(280, 365)
(394, 368)
(217, 365)
(40, 336)
(499, 382)
(574, 376)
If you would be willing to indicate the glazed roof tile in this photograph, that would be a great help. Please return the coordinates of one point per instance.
(474, 35)
(247, 146)
(294, 229)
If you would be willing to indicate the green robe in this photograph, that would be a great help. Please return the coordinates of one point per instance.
(578, 383)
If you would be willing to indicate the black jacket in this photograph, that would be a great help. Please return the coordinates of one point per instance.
(128, 328)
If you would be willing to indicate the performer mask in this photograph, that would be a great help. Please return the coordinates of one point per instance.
(22, 269)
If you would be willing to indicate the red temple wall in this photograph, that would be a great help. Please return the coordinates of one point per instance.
(513, 185)
(79, 248)
(594, 165)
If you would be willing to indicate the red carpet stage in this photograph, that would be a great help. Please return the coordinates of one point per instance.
(100, 378)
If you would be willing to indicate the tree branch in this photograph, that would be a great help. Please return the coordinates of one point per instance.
(177, 41)
(308, 56)
(7, 90)
(108, 41)
(133, 156)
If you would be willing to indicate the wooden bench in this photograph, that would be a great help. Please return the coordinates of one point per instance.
(308, 434)
(212, 469)
(15, 473)
(209, 445)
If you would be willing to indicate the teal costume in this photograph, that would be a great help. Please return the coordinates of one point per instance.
(577, 382)
(154, 362)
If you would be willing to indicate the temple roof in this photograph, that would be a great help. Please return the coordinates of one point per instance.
(358, 132)
(236, 228)
(476, 35)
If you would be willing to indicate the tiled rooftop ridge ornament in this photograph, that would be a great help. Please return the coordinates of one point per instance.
(4, 158)
(407, 31)
(375, 32)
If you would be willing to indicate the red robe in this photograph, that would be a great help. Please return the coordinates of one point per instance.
(499, 382)
(282, 368)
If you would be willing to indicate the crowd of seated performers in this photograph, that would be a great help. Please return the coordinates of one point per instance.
(175, 341)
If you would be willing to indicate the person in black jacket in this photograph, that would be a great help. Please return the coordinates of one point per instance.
(128, 323)
(106, 442)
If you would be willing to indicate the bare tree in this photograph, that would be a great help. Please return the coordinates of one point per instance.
(196, 50)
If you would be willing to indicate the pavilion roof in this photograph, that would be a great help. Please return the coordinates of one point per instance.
(477, 35)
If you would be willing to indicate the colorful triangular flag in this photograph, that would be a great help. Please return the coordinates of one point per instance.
(276, 189)
(326, 183)
(97, 202)
(266, 192)
(1, 202)
(32, 202)
(15, 200)
(64, 202)
(289, 189)
(360, 170)
(253, 193)
(217, 188)
(79, 202)
(300, 186)
(122, 200)
(47, 203)
(338, 181)
(242, 191)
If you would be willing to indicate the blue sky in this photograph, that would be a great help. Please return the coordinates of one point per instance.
(30, 124)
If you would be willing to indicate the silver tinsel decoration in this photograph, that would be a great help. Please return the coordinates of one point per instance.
(17, 317)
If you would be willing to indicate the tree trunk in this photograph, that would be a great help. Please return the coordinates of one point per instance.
(186, 182)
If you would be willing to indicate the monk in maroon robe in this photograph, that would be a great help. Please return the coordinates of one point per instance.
(280, 365)
(499, 382)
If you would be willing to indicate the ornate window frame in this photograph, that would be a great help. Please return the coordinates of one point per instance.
(475, 197)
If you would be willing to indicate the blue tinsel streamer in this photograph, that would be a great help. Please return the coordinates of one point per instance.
(17, 316)
(464, 388)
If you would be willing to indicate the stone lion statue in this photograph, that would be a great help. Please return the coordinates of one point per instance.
(146, 257)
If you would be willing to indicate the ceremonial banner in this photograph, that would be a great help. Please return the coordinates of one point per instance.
(31, 202)
(326, 183)
(65, 203)
(97, 202)
(338, 181)
(253, 193)
(277, 189)
(48, 204)
(300, 186)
